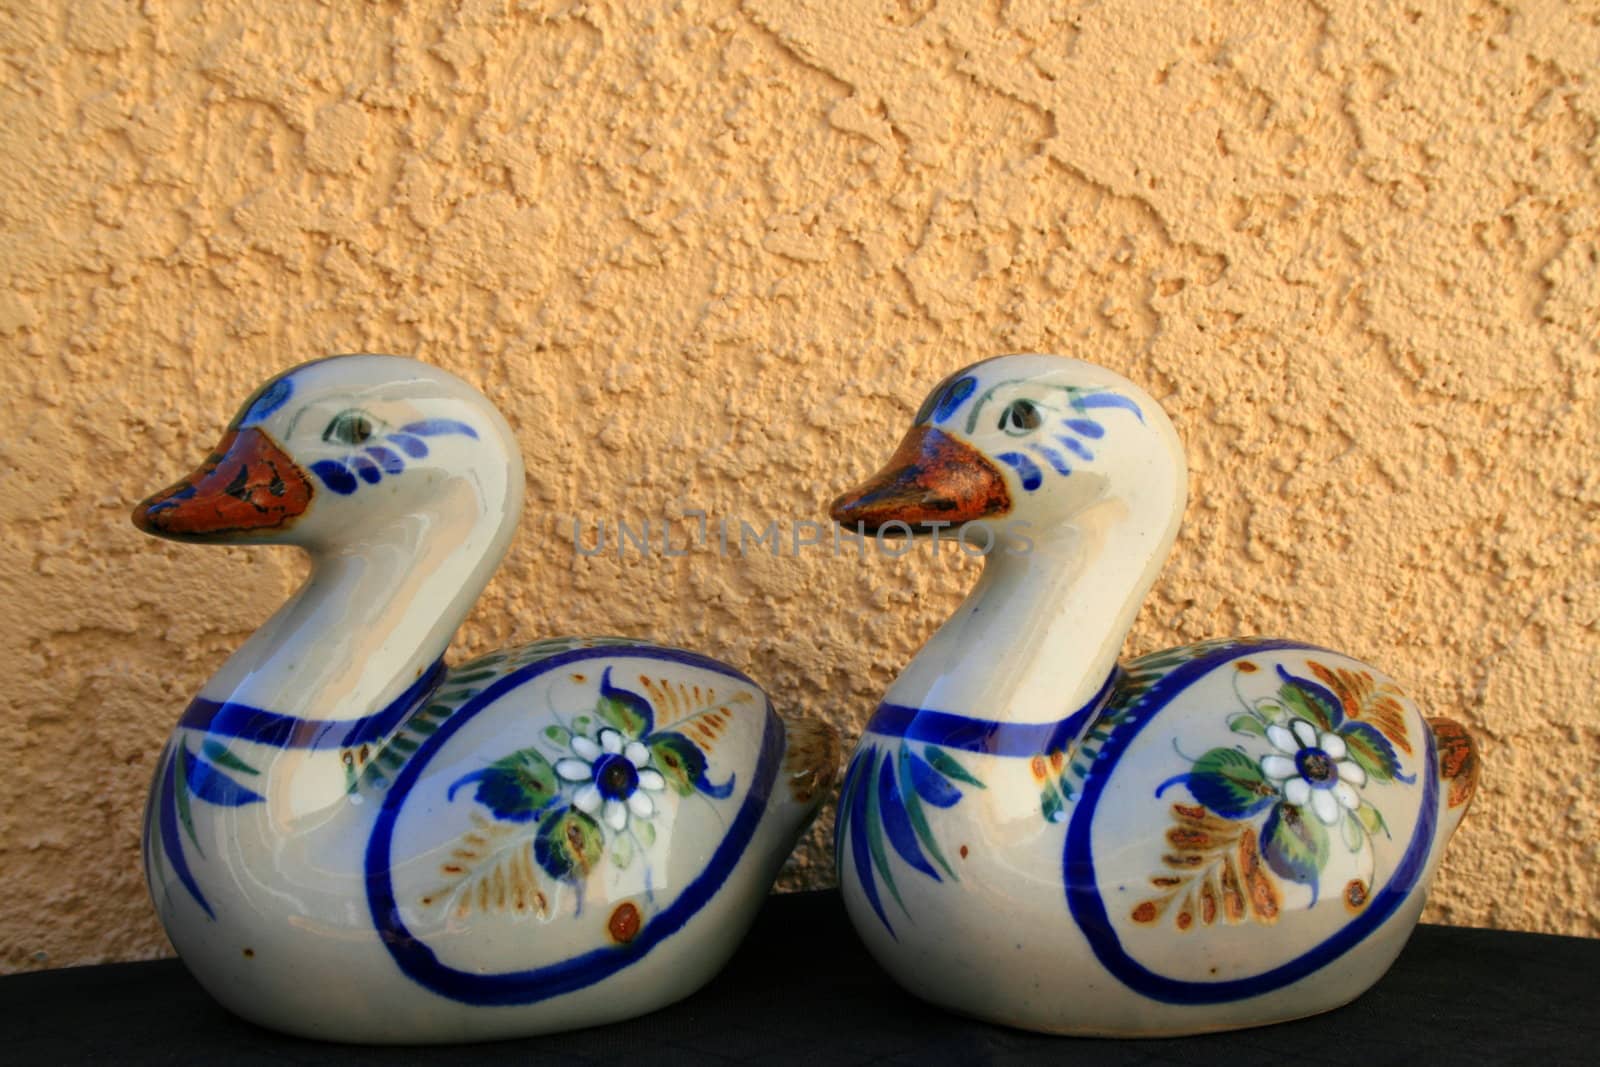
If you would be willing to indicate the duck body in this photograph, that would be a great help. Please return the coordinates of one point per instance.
(348, 840)
(1118, 886)
(1225, 834)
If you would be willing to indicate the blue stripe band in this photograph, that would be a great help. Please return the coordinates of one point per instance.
(227, 719)
(1089, 909)
(540, 983)
(987, 736)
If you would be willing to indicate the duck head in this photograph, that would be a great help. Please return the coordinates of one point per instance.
(1035, 440)
(332, 447)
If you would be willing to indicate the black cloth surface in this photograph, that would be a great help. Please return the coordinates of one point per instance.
(802, 990)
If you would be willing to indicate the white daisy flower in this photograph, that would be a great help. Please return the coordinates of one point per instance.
(614, 771)
(1311, 768)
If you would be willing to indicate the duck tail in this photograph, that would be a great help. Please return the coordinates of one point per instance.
(810, 759)
(1458, 768)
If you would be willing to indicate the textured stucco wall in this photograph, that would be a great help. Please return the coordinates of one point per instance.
(711, 254)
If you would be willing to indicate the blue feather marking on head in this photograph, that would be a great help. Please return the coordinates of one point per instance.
(435, 427)
(367, 469)
(1054, 458)
(389, 460)
(1106, 400)
(1077, 448)
(412, 446)
(335, 475)
(1086, 427)
(377, 460)
(1026, 468)
(953, 398)
(269, 400)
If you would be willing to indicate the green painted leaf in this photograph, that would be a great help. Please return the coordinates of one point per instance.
(180, 789)
(622, 850)
(1295, 845)
(620, 714)
(214, 787)
(874, 817)
(220, 755)
(1303, 702)
(1244, 722)
(581, 725)
(1051, 804)
(646, 832)
(516, 787)
(1372, 819)
(680, 761)
(1350, 830)
(568, 844)
(1230, 783)
(914, 812)
(627, 711)
(1371, 750)
(946, 765)
(559, 735)
(392, 754)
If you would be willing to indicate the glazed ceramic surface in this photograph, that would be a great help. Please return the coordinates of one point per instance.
(1219, 835)
(349, 840)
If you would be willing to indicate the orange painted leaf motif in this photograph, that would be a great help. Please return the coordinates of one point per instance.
(1260, 889)
(1214, 873)
(490, 870)
(697, 711)
(1367, 700)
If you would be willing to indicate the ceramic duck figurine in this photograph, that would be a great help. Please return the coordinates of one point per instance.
(1219, 835)
(348, 839)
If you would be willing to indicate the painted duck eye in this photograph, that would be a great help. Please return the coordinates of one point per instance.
(1020, 417)
(352, 427)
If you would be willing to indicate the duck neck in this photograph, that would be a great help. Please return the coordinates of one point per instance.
(1041, 631)
(374, 615)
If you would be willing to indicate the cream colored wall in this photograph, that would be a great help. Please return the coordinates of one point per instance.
(710, 254)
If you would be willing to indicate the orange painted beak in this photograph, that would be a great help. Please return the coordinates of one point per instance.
(247, 485)
(931, 478)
